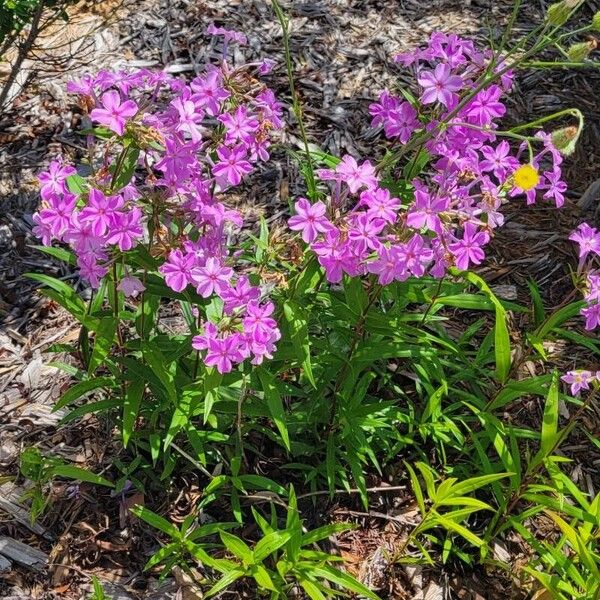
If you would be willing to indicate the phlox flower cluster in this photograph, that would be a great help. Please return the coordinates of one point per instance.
(453, 208)
(196, 140)
(588, 240)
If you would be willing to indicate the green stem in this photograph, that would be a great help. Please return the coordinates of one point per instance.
(296, 106)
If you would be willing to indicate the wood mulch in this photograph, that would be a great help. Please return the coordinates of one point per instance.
(342, 51)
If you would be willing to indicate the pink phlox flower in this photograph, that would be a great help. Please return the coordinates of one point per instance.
(211, 278)
(239, 126)
(209, 332)
(593, 286)
(91, 270)
(177, 269)
(468, 250)
(414, 256)
(189, 117)
(578, 380)
(356, 176)
(364, 231)
(424, 211)
(131, 286)
(114, 113)
(232, 166)
(126, 229)
(58, 215)
(401, 122)
(266, 66)
(485, 106)
(223, 353)
(388, 265)
(101, 211)
(592, 316)
(209, 91)
(498, 160)
(229, 35)
(381, 110)
(53, 181)
(310, 219)
(440, 85)
(556, 187)
(83, 85)
(381, 205)
(239, 295)
(588, 239)
(258, 321)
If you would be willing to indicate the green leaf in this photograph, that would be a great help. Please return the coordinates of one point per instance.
(550, 420)
(127, 169)
(60, 253)
(157, 522)
(131, 407)
(103, 341)
(270, 544)
(344, 580)
(77, 184)
(80, 389)
(65, 296)
(237, 547)
(325, 532)
(539, 314)
(225, 582)
(460, 529)
(72, 472)
(262, 577)
(501, 335)
(212, 381)
(298, 327)
(418, 492)
(274, 404)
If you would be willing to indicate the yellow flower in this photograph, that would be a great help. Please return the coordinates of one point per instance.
(526, 177)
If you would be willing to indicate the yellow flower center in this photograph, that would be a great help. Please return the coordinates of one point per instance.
(526, 177)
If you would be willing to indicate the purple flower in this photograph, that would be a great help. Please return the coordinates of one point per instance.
(131, 286)
(240, 295)
(498, 160)
(309, 219)
(440, 85)
(381, 205)
(209, 91)
(468, 250)
(53, 181)
(556, 187)
(364, 232)
(401, 122)
(258, 321)
(588, 239)
(266, 66)
(233, 165)
(415, 255)
(115, 113)
(381, 111)
(356, 176)
(228, 34)
(189, 117)
(58, 214)
(592, 316)
(388, 265)
(212, 277)
(101, 211)
(485, 107)
(222, 353)
(578, 380)
(126, 229)
(425, 210)
(91, 270)
(178, 270)
(239, 126)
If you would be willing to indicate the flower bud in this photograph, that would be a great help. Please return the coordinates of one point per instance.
(565, 139)
(596, 21)
(579, 52)
(558, 13)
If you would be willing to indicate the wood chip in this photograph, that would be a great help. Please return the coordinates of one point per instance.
(22, 554)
